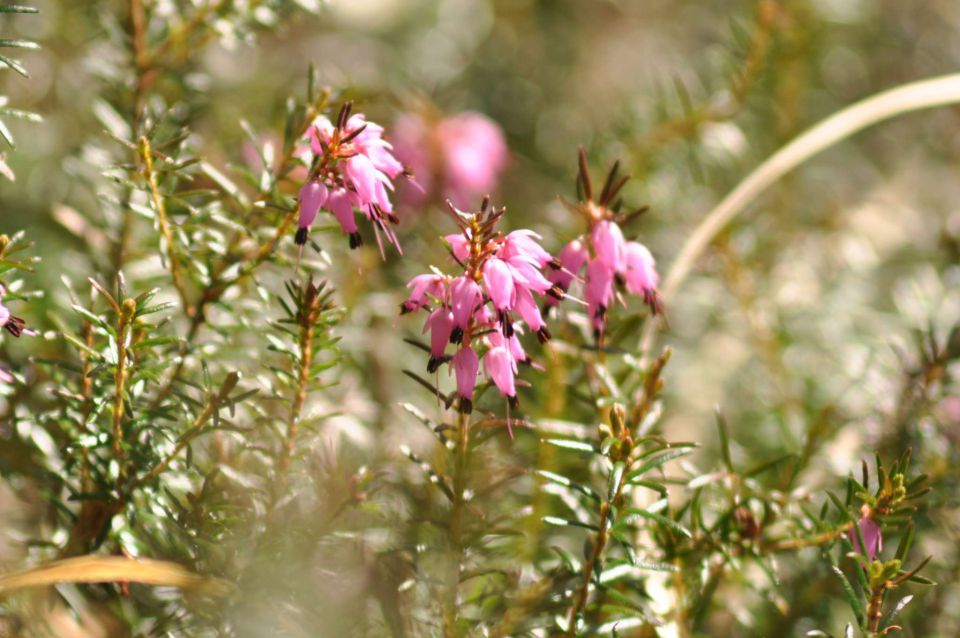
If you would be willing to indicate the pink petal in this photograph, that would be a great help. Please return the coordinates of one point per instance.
(465, 366)
(598, 290)
(340, 205)
(499, 366)
(640, 273)
(312, 197)
(460, 246)
(465, 296)
(440, 325)
(498, 281)
(608, 244)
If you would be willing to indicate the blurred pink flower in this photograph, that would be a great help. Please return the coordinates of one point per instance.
(459, 158)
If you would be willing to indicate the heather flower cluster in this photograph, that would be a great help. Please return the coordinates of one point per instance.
(352, 167)
(457, 158)
(482, 310)
(611, 261)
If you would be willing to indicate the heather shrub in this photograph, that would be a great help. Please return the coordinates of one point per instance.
(478, 318)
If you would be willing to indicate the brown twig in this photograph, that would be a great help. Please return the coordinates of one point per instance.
(214, 401)
(311, 306)
(456, 549)
(124, 319)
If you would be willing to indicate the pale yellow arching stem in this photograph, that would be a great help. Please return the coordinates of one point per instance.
(923, 94)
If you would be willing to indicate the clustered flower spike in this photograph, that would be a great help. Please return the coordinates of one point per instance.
(351, 167)
(609, 260)
(483, 309)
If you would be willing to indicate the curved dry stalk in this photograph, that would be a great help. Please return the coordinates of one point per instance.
(903, 99)
(108, 569)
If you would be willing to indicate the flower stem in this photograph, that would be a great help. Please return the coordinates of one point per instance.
(456, 548)
(196, 428)
(307, 318)
(124, 319)
(146, 154)
(938, 91)
(875, 608)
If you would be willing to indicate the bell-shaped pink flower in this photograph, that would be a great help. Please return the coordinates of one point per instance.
(608, 244)
(527, 308)
(528, 275)
(363, 176)
(465, 367)
(459, 245)
(640, 273)
(339, 203)
(422, 287)
(501, 368)
(563, 270)
(440, 325)
(10, 322)
(870, 530)
(313, 196)
(598, 290)
(498, 281)
(524, 244)
(369, 142)
(465, 296)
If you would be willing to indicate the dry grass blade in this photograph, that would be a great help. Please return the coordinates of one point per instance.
(108, 569)
(923, 94)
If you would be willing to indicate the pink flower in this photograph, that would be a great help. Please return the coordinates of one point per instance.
(613, 263)
(498, 281)
(352, 167)
(640, 272)
(527, 308)
(313, 196)
(501, 367)
(523, 244)
(8, 321)
(460, 158)
(465, 366)
(440, 325)
(422, 287)
(465, 296)
(608, 244)
(870, 531)
(598, 290)
(5, 376)
(485, 307)
(565, 268)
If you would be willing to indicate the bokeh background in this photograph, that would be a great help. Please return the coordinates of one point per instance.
(803, 315)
